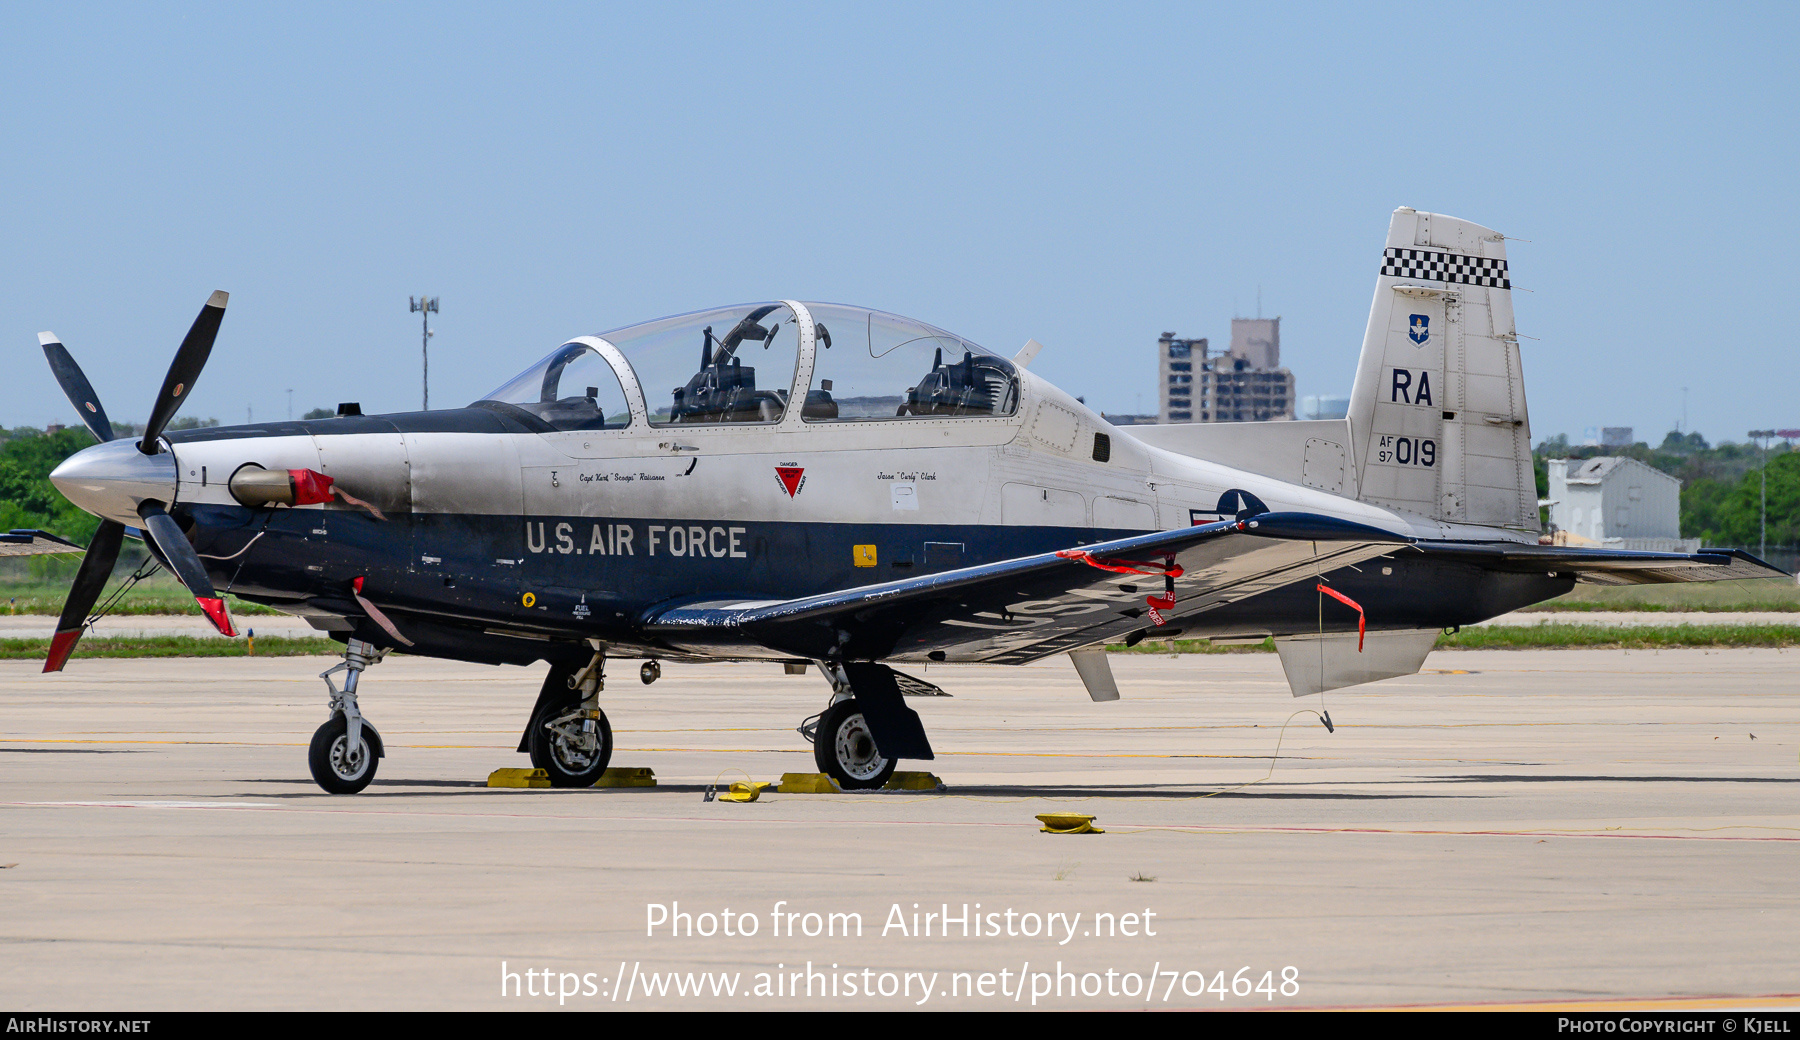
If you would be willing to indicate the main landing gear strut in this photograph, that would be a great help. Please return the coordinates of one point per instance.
(568, 736)
(859, 739)
(346, 748)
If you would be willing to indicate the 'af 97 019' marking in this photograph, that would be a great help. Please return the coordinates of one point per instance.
(1406, 451)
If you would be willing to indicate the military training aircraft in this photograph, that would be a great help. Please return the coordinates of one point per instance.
(832, 486)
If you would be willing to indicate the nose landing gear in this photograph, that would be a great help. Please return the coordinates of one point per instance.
(345, 750)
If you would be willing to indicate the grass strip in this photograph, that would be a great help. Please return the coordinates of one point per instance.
(1551, 635)
(1559, 606)
(174, 646)
(51, 602)
(1623, 637)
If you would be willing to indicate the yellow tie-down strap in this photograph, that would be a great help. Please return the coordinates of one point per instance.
(745, 792)
(1068, 823)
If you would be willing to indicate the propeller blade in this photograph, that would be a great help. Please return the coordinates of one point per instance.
(90, 581)
(185, 562)
(76, 387)
(189, 360)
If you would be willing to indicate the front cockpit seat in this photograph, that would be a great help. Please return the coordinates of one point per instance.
(574, 413)
(725, 393)
(819, 404)
(724, 389)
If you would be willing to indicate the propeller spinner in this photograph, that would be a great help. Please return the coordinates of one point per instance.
(106, 481)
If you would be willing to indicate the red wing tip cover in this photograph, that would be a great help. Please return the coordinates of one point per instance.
(61, 646)
(215, 612)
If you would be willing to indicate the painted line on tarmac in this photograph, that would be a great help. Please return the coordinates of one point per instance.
(1431, 832)
(164, 804)
(1031, 825)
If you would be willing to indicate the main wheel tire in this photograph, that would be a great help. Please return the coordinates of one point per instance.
(845, 750)
(337, 767)
(567, 763)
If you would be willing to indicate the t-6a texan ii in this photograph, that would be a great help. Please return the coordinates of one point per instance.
(819, 484)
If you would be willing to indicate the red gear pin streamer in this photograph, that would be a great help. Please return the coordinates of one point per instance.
(1362, 619)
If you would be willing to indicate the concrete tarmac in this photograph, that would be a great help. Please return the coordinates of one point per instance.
(1508, 827)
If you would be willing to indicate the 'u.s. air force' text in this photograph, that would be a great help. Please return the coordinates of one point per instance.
(624, 540)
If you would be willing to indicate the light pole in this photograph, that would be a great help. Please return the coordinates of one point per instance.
(1763, 436)
(425, 307)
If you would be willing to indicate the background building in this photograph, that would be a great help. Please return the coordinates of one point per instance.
(1324, 406)
(1244, 384)
(1175, 376)
(1607, 436)
(1616, 502)
(1258, 341)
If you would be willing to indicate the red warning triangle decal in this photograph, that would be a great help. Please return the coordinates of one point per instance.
(790, 478)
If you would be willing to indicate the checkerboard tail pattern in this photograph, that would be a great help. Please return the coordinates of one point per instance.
(1433, 266)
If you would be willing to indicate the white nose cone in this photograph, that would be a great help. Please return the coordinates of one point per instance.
(109, 480)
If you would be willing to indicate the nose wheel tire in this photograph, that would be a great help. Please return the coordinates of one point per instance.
(572, 748)
(336, 766)
(845, 750)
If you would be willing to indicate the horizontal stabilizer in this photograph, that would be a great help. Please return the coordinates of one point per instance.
(1610, 566)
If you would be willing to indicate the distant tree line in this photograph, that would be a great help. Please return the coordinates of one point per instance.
(29, 500)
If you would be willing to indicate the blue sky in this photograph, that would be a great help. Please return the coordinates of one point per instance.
(1086, 175)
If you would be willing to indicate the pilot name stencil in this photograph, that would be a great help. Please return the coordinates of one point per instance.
(619, 478)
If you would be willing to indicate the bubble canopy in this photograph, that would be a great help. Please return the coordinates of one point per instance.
(739, 365)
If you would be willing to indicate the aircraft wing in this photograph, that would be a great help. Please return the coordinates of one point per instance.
(22, 542)
(1034, 606)
(1611, 566)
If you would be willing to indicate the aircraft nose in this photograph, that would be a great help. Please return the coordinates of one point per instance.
(109, 480)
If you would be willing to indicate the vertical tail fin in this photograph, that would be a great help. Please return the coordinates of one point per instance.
(1437, 414)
